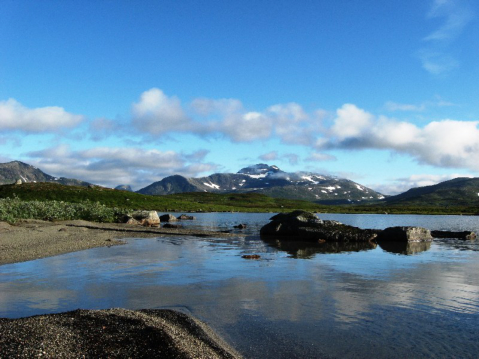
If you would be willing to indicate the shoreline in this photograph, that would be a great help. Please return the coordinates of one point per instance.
(34, 239)
(113, 333)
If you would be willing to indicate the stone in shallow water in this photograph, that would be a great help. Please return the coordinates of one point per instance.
(404, 234)
(306, 226)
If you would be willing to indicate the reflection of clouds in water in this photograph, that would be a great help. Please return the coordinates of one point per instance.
(40, 299)
(209, 278)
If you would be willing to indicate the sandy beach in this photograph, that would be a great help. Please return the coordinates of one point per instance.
(112, 333)
(34, 239)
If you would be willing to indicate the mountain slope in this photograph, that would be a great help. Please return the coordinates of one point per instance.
(457, 192)
(12, 171)
(270, 180)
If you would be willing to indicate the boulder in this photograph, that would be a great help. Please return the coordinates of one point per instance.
(404, 234)
(184, 217)
(241, 226)
(146, 218)
(306, 226)
(465, 235)
(168, 218)
(19, 181)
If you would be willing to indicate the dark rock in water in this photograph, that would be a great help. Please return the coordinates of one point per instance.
(251, 256)
(240, 226)
(168, 218)
(406, 248)
(404, 234)
(171, 225)
(465, 235)
(184, 217)
(306, 226)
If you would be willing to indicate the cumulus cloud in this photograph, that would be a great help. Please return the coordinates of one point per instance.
(156, 113)
(15, 116)
(320, 157)
(270, 156)
(113, 166)
(435, 55)
(446, 143)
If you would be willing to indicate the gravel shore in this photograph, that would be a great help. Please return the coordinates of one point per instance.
(112, 333)
(33, 239)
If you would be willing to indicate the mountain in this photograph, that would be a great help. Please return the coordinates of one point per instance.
(458, 192)
(12, 171)
(270, 180)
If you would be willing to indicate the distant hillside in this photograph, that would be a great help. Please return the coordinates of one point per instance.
(456, 192)
(272, 181)
(12, 171)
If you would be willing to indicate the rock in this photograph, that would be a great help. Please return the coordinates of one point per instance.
(464, 235)
(184, 217)
(146, 218)
(168, 218)
(240, 226)
(19, 181)
(171, 225)
(251, 256)
(405, 234)
(132, 221)
(306, 226)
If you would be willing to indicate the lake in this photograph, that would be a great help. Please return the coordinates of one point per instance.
(297, 301)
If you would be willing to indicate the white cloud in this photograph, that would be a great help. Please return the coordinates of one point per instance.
(350, 122)
(446, 143)
(113, 166)
(393, 106)
(247, 127)
(435, 55)
(270, 156)
(14, 116)
(320, 157)
(156, 114)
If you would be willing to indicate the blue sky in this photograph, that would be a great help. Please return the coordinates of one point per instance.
(384, 93)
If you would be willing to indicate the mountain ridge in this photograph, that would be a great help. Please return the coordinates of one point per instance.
(270, 180)
(13, 171)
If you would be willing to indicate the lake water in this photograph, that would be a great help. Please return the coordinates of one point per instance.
(297, 301)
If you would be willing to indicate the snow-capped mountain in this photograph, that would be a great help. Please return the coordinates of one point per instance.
(272, 181)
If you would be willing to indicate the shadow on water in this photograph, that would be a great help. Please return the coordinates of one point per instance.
(405, 248)
(308, 250)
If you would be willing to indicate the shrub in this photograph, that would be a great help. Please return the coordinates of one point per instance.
(13, 209)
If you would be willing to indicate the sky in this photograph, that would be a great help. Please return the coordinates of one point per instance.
(384, 93)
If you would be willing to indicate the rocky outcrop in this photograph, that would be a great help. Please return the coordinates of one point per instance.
(465, 235)
(404, 234)
(306, 226)
(168, 218)
(144, 218)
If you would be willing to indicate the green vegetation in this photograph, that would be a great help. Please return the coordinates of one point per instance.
(55, 202)
(13, 209)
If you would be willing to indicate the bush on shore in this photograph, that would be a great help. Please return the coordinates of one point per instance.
(14, 209)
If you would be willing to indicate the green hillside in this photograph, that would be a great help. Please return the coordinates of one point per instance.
(247, 202)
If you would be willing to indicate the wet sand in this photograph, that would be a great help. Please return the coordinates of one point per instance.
(33, 239)
(112, 333)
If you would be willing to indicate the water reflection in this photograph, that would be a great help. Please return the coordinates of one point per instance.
(308, 250)
(410, 248)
